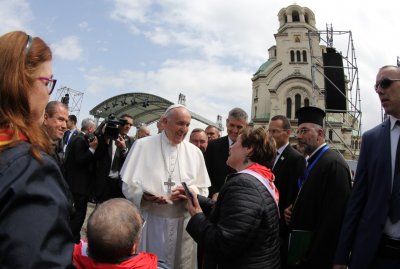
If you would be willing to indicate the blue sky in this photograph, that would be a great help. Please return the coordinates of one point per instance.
(205, 49)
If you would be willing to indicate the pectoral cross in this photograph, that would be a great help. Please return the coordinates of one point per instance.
(169, 183)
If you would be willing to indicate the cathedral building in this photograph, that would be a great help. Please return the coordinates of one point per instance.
(302, 71)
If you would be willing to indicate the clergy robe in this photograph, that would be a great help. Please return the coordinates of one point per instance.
(320, 206)
(147, 167)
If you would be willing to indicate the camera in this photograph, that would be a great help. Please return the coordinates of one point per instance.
(90, 137)
(112, 125)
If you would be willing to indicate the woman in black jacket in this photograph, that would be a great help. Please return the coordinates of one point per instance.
(240, 230)
(34, 209)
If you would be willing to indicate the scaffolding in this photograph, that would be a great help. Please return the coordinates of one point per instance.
(72, 98)
(348, 121)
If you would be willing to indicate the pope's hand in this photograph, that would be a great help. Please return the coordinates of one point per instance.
(154, 199)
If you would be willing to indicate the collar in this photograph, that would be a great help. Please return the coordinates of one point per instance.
(392, 122)
(312, 154)
(230, 141)
(281, 149)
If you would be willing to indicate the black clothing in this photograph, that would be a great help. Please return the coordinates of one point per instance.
(242, 227)
(105, 187)
(215, 158)
(79, 163)
(287, 170)
(34, 230)
(320, 206)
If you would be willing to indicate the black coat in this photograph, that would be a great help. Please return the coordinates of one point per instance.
(34, 212)
(103, 156)
(215, 158)
(79, 164)
(287, 170)
(320, 206)
(242, 227)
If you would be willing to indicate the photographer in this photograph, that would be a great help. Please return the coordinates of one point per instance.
(79, 170)
(114, 144)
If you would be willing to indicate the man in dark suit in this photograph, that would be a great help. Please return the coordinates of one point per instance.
(324, 189)
(288, 167)
(79, 164)
(110, 156)
(218, 150)
(370, 236)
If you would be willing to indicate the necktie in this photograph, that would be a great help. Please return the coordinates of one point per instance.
(276, 159)
(394, 210)
(66, 136)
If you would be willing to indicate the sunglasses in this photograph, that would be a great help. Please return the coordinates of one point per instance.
(384, 83)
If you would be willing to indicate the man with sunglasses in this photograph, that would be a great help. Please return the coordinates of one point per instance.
(370, 236)
(324, 188)
(110, 156)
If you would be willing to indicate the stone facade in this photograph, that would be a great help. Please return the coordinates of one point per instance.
(293, 77)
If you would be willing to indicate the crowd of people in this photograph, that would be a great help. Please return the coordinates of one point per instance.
(248, 199)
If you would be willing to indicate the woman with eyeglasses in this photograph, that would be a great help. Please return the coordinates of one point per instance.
(241, 229)
(34, 210)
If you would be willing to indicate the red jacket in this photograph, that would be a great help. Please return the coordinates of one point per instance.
(141, 261)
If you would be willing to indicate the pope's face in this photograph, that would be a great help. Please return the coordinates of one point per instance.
(177, 124)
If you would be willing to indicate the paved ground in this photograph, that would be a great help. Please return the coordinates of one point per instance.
(90, 208)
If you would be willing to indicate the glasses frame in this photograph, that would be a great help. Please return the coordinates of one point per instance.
(384, 83)
(302, 131)
(51, 83)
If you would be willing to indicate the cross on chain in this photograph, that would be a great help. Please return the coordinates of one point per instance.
(170, 184)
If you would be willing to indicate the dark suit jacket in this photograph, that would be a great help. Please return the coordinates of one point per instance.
(215, 158)
(103, 157)
(287, 170)
(79, 162)
(368, 206)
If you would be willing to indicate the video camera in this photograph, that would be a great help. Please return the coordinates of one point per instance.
(112, 125)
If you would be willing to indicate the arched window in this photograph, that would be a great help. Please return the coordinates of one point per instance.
(297, 102)
(304, 56)
(255, 112)
(292, 56)
(295, 16)
(331, 135)
(306, 102)
(298, 56)
(289, 108)
(306, 17)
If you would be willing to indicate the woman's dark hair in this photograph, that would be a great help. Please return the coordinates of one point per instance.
(263, 145)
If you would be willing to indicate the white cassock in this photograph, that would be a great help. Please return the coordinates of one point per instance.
(149, 163)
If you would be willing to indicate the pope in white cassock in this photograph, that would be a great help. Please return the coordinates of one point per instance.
(154, 167)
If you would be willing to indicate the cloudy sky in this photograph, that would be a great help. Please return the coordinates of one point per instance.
(205, 49)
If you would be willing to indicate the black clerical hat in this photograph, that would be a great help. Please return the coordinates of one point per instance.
(310, 114)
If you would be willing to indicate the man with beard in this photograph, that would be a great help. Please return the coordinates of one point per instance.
(324, 190)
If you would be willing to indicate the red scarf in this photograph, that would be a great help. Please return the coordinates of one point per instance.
(266, 173)
(6, 136)
(143, 260)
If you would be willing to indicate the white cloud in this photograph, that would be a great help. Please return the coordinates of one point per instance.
(68, 48)
(15, 15)
(210, 89)
(84, 25)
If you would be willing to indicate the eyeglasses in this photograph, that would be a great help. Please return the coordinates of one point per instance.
(49, 82)
(302, 131)
(384, 83)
